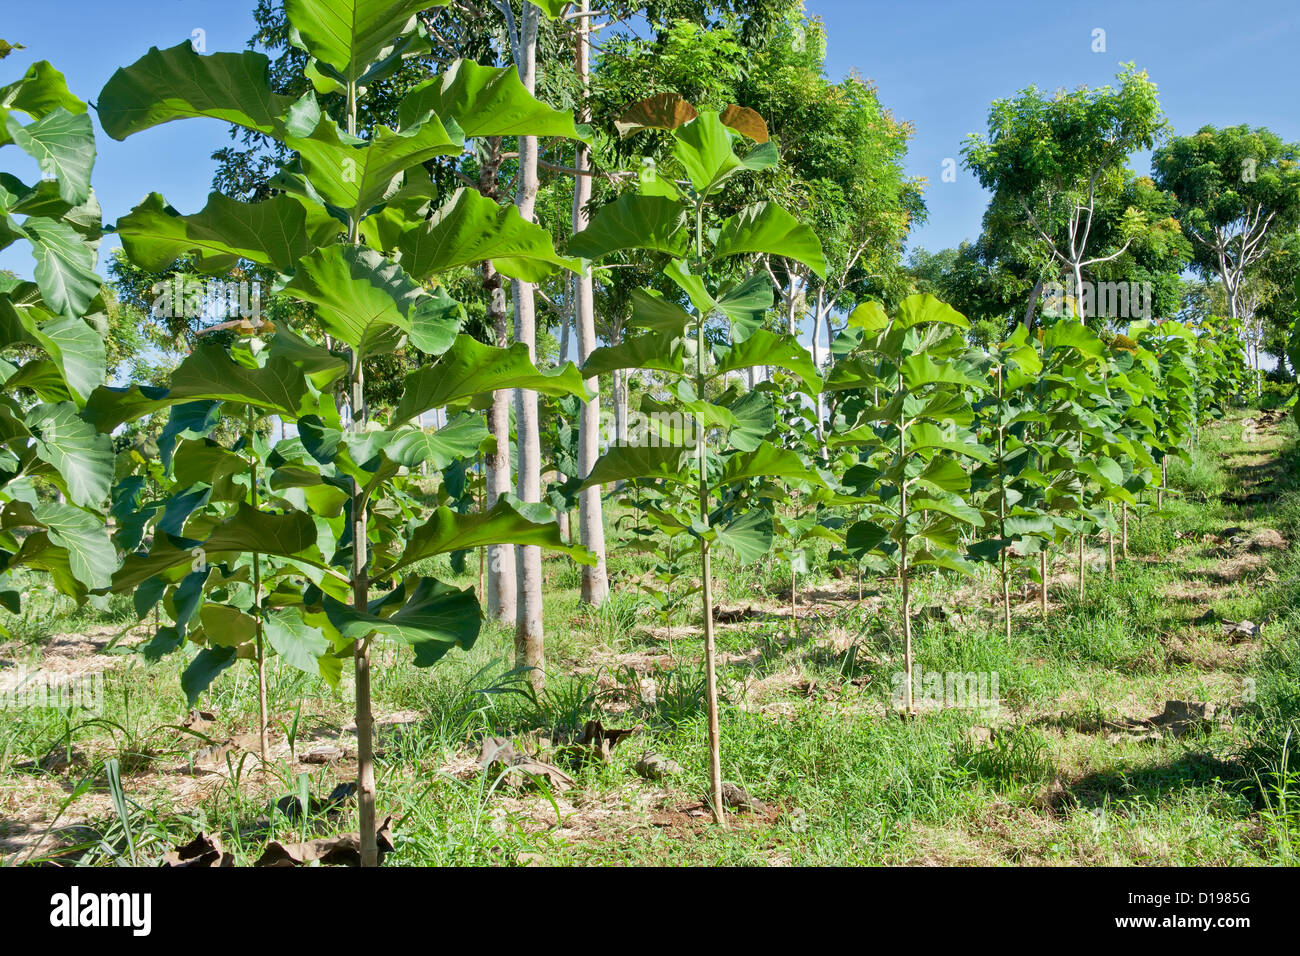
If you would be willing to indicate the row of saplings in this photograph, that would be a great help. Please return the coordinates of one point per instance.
(316, 546)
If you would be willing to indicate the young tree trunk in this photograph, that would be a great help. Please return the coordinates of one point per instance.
(1042, 582)
(816, 334)
(706, 580)
(1002, 506)
(1006, 596)
(591, 520)
(711, 687)
(620, 402)
(562, 514)
(1082, 539)
(794, 599)
(529, 648)
(369, 846)
(259, 643)
(361, 653)
(1123, 532)
(792, 304)
(1110, 539)
(500, 557)
(909, 703)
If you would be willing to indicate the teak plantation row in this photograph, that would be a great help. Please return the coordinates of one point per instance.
(292, 492)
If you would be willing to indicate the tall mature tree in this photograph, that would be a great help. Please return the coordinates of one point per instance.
(521, 33)
(1237, 189)
(591, 526)
(1238, 193)
(1052, 160)
(841, 151)
(1280, 273)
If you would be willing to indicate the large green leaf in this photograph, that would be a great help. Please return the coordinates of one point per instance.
(459, 438)
(864, 537)
(470, 229)
(301, 645)
(40, 91)
(177, 83)
(248, 530)
(484, 101)
(652, 312)
(207, 373)
(65, 265)
(470, 370)
(652, 223)
(81, 456)
(76, 349)
(63, 144)
(446, 531)
(204, 669)
(924, 436)
(920, 370)
(754, 416)
(321, 366)
(662, 351)
(44, 202)
(435, 618)
(350, 35)
(748, 537)
(745, 304)
(73, 545)
(925, 308)
(770, 348)
(626, 462)
(226, 626)
(353, 173)
(1071, 334)
(767, 228)
(765, 461)
(363, 299)
(705, 148)
(276, 232)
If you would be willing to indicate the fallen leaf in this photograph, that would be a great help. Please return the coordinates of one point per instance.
(203, 851)
(499, 757)
(341, 850)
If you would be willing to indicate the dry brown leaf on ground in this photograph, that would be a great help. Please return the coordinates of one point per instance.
(500, 758)
(341, 850)
(594, 743)
(203, 851)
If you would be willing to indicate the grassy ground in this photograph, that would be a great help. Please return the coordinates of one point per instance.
(1068, 768)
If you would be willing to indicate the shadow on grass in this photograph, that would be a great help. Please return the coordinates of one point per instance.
(1192, 770)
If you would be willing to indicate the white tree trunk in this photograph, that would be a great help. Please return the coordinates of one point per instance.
(816, 334)
(500, 571)
(562, 516)
(529, 649)
(591, 523)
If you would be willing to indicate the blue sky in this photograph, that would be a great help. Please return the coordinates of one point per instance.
(940, 65)
(936, 63)
(87, 40)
